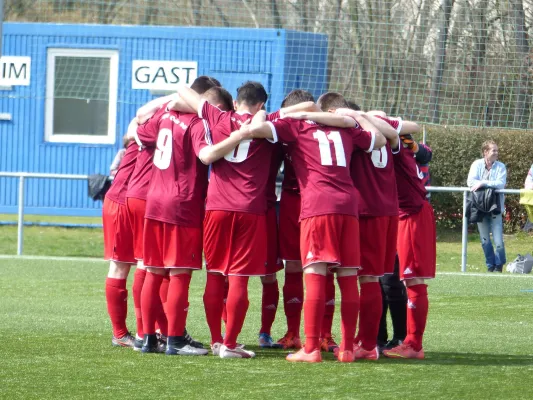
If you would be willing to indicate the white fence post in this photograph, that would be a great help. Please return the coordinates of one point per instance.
(464, 235)
(20, 233)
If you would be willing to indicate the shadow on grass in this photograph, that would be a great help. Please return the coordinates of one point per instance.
(439, 358)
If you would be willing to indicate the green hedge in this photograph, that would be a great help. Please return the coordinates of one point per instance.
(454, 150)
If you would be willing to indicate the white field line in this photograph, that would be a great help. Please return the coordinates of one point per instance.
(98, 260)
(46, 258)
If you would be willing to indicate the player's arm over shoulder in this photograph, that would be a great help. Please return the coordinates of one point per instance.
(208, 152)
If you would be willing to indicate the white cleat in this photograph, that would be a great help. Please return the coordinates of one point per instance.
(186, 350)
(235, 353)
(215, 348)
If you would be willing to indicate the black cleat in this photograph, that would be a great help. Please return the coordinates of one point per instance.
(178, 346)
(151, 345)
(190, 341)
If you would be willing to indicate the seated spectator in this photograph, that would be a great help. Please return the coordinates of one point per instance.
(118, 157)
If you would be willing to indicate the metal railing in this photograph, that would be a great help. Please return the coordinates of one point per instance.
(22, 178)
(23, 175)
(464, 234)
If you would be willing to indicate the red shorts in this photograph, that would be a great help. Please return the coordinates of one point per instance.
(235, 243)
(417, 244)
(136, 209)
(378, 245)
(172, 246)
(289, 227)
(332, 238)
(274, 262)
(118, 236)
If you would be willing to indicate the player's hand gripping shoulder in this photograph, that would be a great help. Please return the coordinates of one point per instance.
(186, 101)
(367, 124)
(210, 154)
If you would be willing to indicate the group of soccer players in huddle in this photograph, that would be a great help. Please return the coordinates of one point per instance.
(352, 198)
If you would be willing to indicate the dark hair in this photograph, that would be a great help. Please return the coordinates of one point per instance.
(297, 96)
(220, 96)
(353, 105)
(251, 93)
(332, 101)
(203, 83)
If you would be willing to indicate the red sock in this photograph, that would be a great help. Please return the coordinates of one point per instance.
(116, 296)
(329, 310)
(315, 286)
(370, 314)
(224, 313)
(150, 302)
(293, 297)
(138, 282)
(213, 303)
(236, 305)
(269, 306)
(178, 303)
(417, 314)
(161, 319)
(349, 309)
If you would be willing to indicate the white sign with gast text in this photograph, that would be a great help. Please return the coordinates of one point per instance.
(162, 75)
(15, 71)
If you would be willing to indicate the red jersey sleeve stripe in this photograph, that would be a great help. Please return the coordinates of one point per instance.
(207, 133)
(274, 133)
(372, 142)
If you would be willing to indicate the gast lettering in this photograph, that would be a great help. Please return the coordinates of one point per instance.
(15, 71)
(162, 75)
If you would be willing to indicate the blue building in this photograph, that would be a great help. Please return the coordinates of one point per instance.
(68, 92)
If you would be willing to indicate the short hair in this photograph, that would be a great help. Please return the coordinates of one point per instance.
(219, 96)
(251, 93)
(203, 83)
(332, 101)
(353, 105)
(486, 145)
(297, 96)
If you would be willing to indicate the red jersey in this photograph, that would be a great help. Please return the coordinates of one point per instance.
(374, 179)
(409, 179)
(119, 186)
(320, 156)
(140, 177)
(238, 182)
(178, 184)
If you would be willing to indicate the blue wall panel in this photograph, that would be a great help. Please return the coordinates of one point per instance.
(231, 55)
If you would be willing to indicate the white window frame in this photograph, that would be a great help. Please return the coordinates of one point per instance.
(49, 136)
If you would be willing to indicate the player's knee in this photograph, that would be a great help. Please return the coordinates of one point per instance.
(118, 270)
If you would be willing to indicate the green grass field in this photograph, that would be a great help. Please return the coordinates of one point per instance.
(58, 337)
(57, 345)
